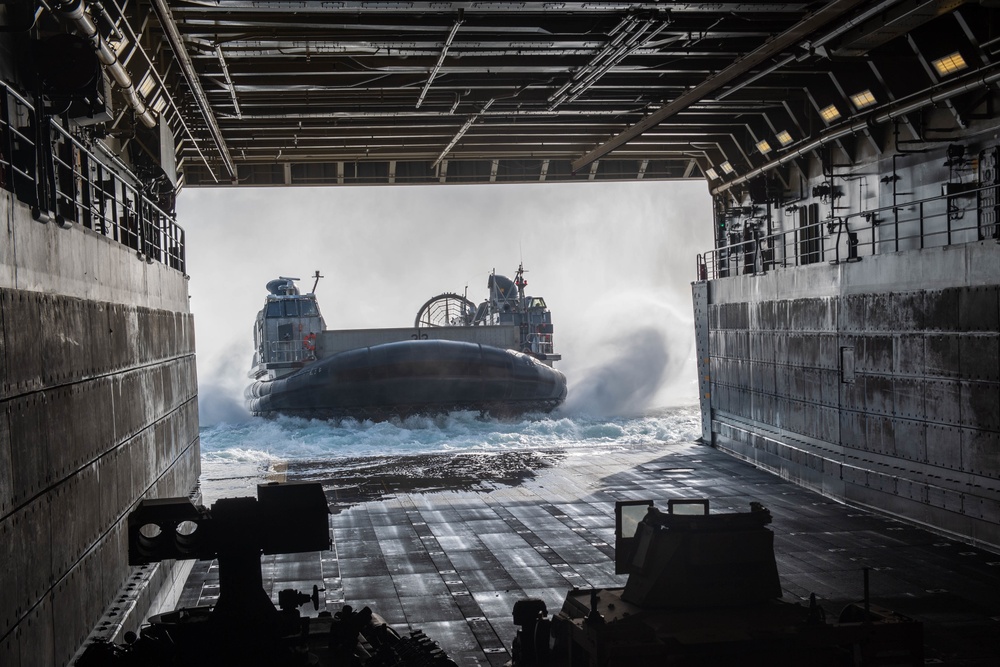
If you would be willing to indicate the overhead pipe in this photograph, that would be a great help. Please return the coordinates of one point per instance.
(164, 90)
(350, 8)
(98, 6)
(229, 81)
(793, 35)
(977, 80)
(270, 47)
(833, 34)
(629, 36)
(619, 32)
(324, 115)
(440, 60)
(76, 11)
(623, 52)
(176, 42)
(461, 133)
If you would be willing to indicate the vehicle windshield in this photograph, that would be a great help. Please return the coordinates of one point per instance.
(292, 308)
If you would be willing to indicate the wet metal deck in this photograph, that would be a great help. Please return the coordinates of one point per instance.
(448, 543)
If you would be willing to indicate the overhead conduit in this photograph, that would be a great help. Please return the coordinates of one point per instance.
(629, 35)
(76, 12)
(977, 80)
(176, 41)
(774, 46)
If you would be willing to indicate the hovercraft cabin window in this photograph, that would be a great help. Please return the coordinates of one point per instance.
(292, 308)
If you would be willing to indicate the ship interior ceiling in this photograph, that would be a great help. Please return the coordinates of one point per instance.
(261, 94)
(847, 317)
(351, 93)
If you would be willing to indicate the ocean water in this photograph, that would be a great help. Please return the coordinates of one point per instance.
(237, 457)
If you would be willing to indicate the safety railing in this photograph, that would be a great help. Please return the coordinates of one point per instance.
(64, 180)
(951, 219)
(541, 343)
(288, 351)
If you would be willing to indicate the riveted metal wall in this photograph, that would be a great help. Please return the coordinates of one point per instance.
(98, 409)
(702, 349)
(888, 399)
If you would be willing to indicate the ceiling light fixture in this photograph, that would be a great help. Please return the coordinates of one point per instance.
(830, 113)
(726, 167)
(863, 99)
(147, 84)
(949, 64)
(784, 137)
(763, 147)
(711, 173)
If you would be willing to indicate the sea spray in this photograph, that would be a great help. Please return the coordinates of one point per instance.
(629, 352)
(237, 457)
(295, 438)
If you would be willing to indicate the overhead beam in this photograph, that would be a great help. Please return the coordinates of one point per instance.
(461, 133)
(935, 95)
(440, 61)
(173, 35)
(229, 80)
(790, 37)
(257, 7)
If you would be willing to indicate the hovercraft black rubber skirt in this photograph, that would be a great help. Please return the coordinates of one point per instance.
(412, 377)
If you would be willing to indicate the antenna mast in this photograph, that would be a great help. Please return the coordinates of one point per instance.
(521, 283)
(316, 278)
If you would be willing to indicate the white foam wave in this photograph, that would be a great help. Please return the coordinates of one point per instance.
(260, 441)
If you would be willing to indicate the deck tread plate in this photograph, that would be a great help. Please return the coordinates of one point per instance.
(452, 561)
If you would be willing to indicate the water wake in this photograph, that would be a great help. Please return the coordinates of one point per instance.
(261, 441)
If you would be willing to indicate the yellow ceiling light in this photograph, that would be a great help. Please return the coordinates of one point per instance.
(763, 147)
(784, 137)
(863, 99)
(726, 167)
(830, 113)
(147, 85)
(711, 173)
(949, 64)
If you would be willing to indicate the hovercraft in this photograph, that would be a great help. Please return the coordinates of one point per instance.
(495, 358)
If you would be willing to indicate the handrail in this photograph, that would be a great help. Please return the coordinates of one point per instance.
(65, 178)
(288, 351)
(916, 224)
(541, 343)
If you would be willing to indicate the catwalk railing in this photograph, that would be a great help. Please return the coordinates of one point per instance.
(65, 181)
(968, 216)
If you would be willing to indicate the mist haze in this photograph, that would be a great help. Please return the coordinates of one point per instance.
(614, 262)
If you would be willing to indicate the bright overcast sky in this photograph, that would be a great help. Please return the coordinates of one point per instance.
(614, 262)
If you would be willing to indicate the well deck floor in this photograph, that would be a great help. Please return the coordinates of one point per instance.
(448, 543)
